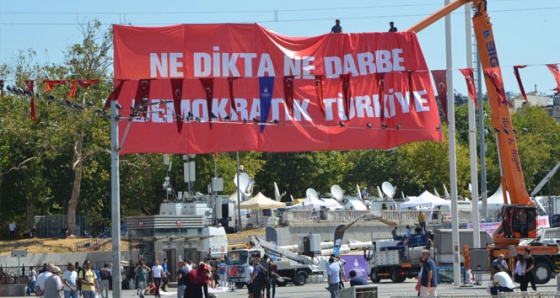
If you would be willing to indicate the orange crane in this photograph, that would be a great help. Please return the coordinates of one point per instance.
(519, 219)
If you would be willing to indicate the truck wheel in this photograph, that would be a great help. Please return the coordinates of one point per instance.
(301, 278)
(239, 285)
(374, 278)
(542, 273)
(396, 276)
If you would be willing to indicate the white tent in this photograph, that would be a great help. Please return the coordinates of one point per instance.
(426, 199)
(495, 202)
(309, 203)
(260, 201)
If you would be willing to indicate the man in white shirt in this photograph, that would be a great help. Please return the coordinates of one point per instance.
(12, 230)
(248, 278)
(333, 276)
(157, 273)
(69, 278)
(502, 282)
(42, 278)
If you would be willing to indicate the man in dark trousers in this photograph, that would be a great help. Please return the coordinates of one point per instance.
(257, 278)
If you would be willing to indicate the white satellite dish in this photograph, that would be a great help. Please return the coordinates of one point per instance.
(358, 192)
(310, 192)
(388, 189)
(379, 193)
(245, 183)
(445, 192)
(277, 194)
(337, 192)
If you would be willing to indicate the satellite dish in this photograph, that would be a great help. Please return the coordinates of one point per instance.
(379, 193)
(337, 192)
(388, 189)
(245, 183)
(310, 192)
(358, 192)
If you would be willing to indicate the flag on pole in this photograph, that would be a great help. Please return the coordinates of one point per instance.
(440, 80)
(468, 73)
(518, 77)
(556, 73)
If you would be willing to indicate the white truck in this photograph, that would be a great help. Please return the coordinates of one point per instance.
(291, 267)
(392, 259)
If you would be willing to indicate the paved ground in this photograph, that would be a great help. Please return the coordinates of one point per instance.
(385, 289)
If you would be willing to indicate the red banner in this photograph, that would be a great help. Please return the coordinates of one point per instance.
(440, 80)
(468, 73)
(556, 73)
(335, 78)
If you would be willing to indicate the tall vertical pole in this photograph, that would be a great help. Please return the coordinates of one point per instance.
(115, 202)
(452, 153)
(239, 225)
(475, 216)
(482, 140)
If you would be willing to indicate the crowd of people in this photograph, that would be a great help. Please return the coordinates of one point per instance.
(76, 281)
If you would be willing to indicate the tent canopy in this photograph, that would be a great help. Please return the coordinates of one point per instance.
(260, 201)
(426, 199)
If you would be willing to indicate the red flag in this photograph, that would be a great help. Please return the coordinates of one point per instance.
(29, 84)
(51, 83)
(440, 80)
(231, 97)
(177, 90)
(469, 75)
(87, 83)
(114, 94)
(556, 73)
(493, 74)
(346, 93)
(319, 92)
(2, 89)
(72, 92)
(208, 85)
(518, 77)
(381, 89)
(289, 93)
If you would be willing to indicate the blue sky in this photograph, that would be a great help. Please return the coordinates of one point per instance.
(526, 32)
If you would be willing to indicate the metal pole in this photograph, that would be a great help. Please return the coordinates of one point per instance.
(452, 153)
(115, 202)
(475, 216)
(482, 140)
(239, 225)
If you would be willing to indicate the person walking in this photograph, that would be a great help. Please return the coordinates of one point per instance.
(333, 276)
(258, 278)
(42, 278)
(53, 284)
(32, 280)
(519, 269)
(69, 278)
(429, 278)
(222, 272)
(195, 287)
(88, 280)
(157, 273)
(105, 274)
(182, 279)
(141, 271)
(165, 275)
(528, 274)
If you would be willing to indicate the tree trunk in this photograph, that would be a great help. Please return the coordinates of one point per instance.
(74, 198)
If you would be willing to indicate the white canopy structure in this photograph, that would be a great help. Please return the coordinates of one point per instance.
(260, 201)
(495, 202)
(310, 202)
(426, 199)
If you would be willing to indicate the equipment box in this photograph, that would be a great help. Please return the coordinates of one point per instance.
(358, 292)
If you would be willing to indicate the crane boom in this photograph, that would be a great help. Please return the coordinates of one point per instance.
(259, 243)
(545, 180)
(510, 164)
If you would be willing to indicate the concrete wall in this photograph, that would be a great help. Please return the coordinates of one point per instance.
(60, 259)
